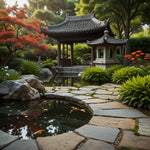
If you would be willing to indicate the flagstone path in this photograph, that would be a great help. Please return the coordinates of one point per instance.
(114, 126)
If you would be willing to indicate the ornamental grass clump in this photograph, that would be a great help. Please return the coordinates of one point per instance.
(136, 92)
(126, 73)
(95, 74)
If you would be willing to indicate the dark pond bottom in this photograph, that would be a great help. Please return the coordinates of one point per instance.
(32, 119)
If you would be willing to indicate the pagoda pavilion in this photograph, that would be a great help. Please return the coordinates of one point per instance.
(75, 29)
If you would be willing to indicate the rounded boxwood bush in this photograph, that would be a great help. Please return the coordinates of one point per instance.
(95, 74)
(112, 69)
(136, 92)
(123, 74)
(146, 70)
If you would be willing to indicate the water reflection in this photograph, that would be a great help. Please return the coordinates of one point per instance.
(53, 117)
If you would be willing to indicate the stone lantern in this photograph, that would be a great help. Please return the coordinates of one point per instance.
(104, 50)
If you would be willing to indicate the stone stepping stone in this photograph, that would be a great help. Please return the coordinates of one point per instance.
(82, 97)
(111, 85)
(106, 97)
(6, 139)
(97, 132)
(103, 92)
(65, 141)
(89, 101)
(23, 145)
(65, 88)
(89, 88)
(120, 113)
(144, 126)
(110, 105)
(82, 92)
(96, 145)
(133, 141)
(123, 123)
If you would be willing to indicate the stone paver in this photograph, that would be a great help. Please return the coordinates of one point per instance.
(110, 105)
(97, 132)
(81, 92)
(96, 145)
(123, 123)
(82, 97)
(133, 141)
(120, 113)
(144, 126)
(65, 141)
(103, 92)
(106, 97)
(93, 101)
(23, 145)
(6, 139)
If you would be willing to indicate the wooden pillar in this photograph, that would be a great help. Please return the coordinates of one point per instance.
(92, 55)
(63, 51)
(71, 54)
(59, 53)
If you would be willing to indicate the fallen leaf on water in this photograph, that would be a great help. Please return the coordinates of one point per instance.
(7, 106)
(38, 132)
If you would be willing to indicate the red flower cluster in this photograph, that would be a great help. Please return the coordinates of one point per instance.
(137, 56)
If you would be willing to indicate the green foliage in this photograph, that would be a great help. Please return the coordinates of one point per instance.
(16, 63)
(146, 70)
(30, 67)
(47, 64)
(136, 92)
(112, 69)
(87, 56)
(3, 53)
(28, 55)
(95, 74)
(126, 73)
(81, 51)
(140, 43)
(6, 75)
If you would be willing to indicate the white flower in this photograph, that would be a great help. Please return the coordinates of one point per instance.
(6, 67)
(7, 74)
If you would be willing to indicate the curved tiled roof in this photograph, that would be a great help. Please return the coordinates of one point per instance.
(107, 39)
(84, 25)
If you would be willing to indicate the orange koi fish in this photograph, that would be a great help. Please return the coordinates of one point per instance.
(38, 132)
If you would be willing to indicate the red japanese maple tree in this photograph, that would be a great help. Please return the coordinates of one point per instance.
(12, 20)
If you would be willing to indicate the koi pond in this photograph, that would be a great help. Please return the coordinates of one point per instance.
(31, 119)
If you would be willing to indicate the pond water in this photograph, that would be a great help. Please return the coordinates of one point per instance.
(67, 81)
(31, 119)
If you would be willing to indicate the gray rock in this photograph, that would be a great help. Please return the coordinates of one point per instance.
(34, 82)
(144, 126)
(22, 145)
(96, 145)
(123, 113)
(107, 134)
(46, 72)
(6, 139)
(18, 89)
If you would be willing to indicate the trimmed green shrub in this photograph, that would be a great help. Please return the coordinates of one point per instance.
(16, 63)
(112, 69)
(5, 75)
(95, 74)
(126, 73)
(30, 67)
(136, 92)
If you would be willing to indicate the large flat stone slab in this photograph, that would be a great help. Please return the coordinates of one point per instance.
(123, 123)
(106, 97)
(110, 105)
(97, 132)
(23, 145)
(79, 92)
(103, 92)
(96, 145)
(133, 141)
(65, 141)
(6, 139)
(89, 101)
(82, 97)
(144, 126)
(120, 113)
